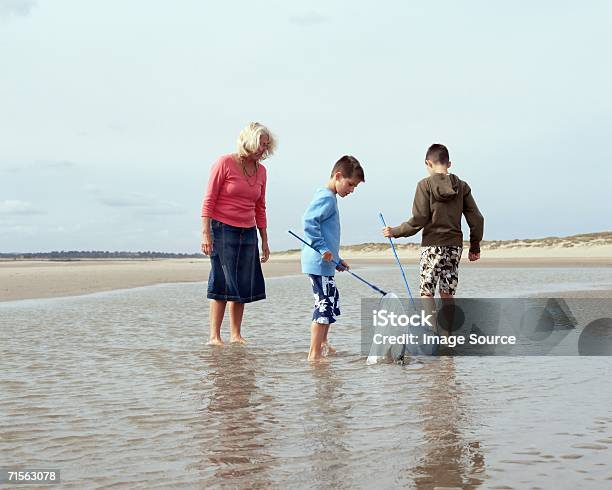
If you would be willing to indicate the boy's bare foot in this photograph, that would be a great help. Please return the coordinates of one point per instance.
(238, 340)
(319, 358)
(215, 341)
(327, 349)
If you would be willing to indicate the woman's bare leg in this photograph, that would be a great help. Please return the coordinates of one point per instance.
(217, 310)
(236, 314)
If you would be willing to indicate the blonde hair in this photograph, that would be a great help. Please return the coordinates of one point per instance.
(248, 141)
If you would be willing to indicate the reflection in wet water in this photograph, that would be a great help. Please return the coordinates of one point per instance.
(450, 459)
(120, 388)
(325, 427)
(235, 414)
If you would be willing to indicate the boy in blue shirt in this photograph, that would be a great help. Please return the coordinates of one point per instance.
(322, 230)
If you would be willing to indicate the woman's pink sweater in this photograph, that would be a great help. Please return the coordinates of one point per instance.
(232, 197)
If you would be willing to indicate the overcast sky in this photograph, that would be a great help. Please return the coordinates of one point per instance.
(111, 113)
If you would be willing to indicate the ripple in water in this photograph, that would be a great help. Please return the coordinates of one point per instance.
(119, 388)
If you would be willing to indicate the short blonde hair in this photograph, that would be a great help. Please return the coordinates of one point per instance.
(248, 140)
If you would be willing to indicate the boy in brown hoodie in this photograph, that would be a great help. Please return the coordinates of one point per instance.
(439, 202)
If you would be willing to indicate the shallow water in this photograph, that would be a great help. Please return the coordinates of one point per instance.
(119, 388)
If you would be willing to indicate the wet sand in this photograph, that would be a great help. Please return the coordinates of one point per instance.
(578, 294)
(25, 279)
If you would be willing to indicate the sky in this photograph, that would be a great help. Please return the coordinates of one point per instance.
(112, 112)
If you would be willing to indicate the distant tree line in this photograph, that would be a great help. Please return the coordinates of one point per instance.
(96, 254)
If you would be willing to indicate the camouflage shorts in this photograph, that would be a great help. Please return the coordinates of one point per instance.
(439, 265)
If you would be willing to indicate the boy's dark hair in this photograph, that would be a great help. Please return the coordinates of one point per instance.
(349, 167)
(437, 153)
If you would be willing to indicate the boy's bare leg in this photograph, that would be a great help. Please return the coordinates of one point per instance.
(317, 331)
(325, 344)
(217, 310)
(428, 304)
(236, 314)
(449, 312)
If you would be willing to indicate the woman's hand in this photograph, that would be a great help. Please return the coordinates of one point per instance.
(387, 231)
(265, 252)
(207, 244)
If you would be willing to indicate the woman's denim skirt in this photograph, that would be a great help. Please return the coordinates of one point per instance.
(235, 273)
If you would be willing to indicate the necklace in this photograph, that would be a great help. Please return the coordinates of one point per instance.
(247, 175)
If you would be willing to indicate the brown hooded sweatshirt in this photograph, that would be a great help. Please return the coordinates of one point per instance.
(439, 201)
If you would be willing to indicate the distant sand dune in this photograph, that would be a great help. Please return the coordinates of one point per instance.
(584, 245)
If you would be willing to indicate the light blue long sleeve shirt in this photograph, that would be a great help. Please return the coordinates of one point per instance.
(322, 230)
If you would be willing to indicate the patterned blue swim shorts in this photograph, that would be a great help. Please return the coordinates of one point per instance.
(327, 299)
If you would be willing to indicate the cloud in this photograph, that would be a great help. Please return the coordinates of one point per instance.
(308, 18)
(142, 203)
(14, 207)
(59, 165)
(18, 230)
(166, 207)
(130, 201)
(17, 8)
(116, 127)
(49, 166)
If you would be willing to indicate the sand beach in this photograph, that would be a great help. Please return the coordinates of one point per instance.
(29, 279)
(48, 279)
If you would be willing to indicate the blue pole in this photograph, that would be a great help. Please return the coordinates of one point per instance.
(398, 262)
(378, 290)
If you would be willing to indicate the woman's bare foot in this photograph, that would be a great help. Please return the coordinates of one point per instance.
(215, 341)
(238, 340)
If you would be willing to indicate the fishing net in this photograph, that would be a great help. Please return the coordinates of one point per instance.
(409, 337)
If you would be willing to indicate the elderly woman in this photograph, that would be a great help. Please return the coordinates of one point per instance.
(234, 206)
